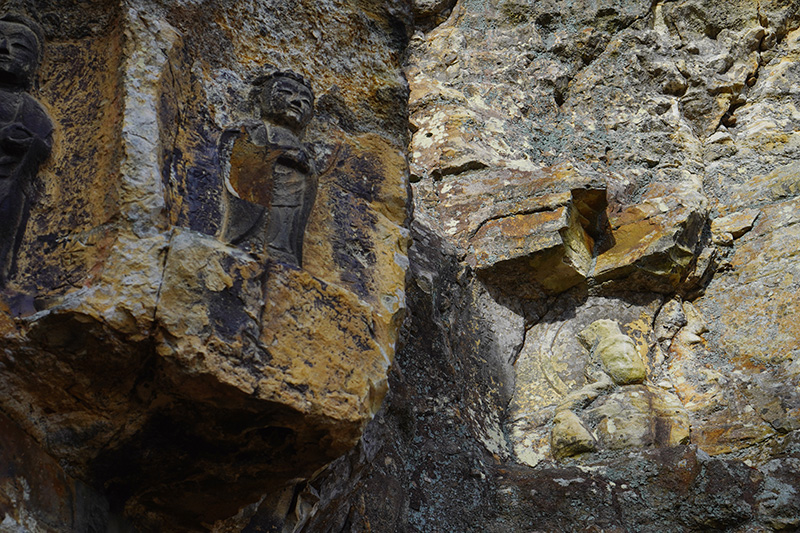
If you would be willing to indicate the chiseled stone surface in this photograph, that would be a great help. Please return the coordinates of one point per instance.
(640, 416)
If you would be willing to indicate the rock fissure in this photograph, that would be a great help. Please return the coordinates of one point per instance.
(161, 280)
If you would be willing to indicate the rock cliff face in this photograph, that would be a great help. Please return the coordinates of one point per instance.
(180, 373)
(602, 322)
(600, 326)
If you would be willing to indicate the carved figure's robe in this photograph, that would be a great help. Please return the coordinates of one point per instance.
(25, 142)
(273, 189)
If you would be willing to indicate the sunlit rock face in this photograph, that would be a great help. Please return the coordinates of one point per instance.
(671, 112)
(179, 372)
(628, 164)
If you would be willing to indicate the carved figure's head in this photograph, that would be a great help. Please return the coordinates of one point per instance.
(287, 99)
(21, 41)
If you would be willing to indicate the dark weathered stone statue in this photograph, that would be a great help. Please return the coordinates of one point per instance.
(272, 177)
(25, 131)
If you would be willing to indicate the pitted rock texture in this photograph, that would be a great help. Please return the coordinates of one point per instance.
(671, 109)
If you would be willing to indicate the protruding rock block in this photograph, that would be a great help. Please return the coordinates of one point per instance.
(547, 249)
(570, 436)
(305, 322)
(141, 348)
(237, 359)
(654, 244)
(207, 319)
(274, 332)
(727, 228)
(529, 232)
(544, 231)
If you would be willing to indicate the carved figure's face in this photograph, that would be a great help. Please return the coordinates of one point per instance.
(288, 102)
(19, 54)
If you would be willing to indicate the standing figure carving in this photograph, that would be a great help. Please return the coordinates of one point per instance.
(272, 179)
(25, 131)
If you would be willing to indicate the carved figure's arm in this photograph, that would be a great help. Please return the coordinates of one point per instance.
(30, 135)
(296, 157)
(16, 138)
